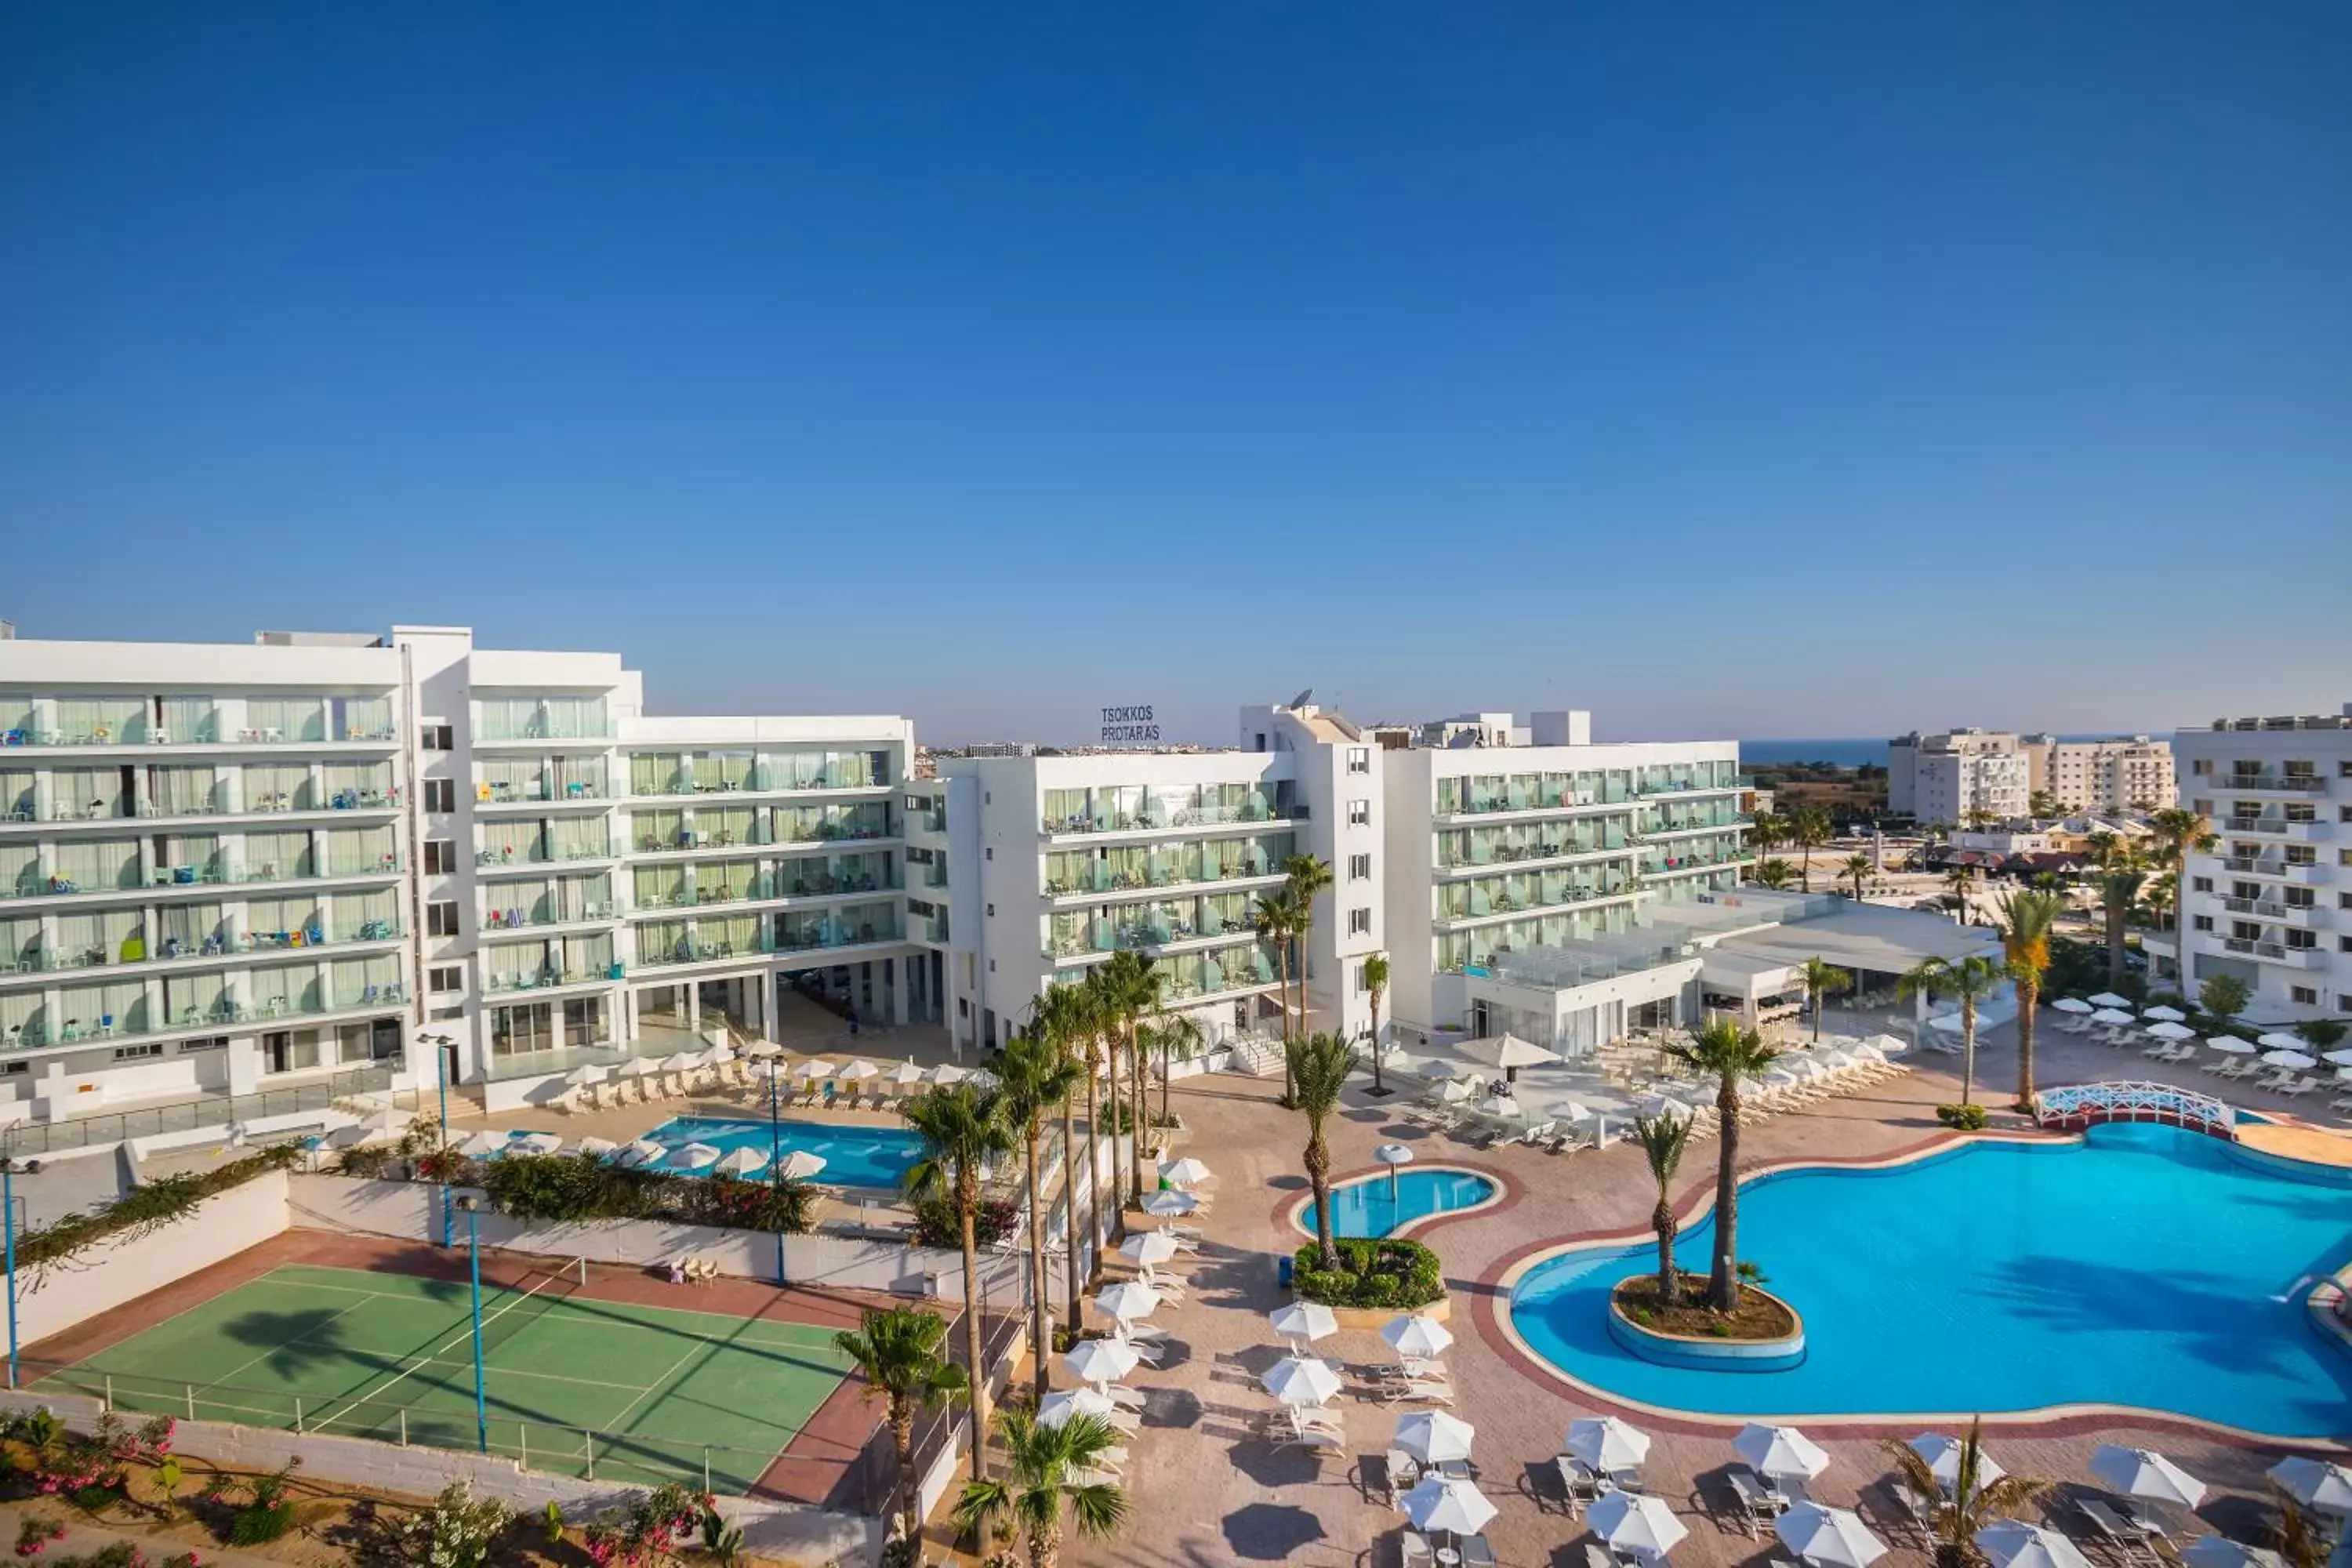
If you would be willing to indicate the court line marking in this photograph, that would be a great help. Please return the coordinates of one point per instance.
(431, 1356)
(824, 1335)
(264, 1355)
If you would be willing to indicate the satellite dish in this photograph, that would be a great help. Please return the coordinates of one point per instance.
(1303, 698)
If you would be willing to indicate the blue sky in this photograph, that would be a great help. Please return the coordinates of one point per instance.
(1749, 369)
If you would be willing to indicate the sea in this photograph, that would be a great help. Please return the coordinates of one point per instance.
(1850, 752)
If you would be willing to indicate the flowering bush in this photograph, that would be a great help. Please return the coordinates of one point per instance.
(649, 1530)
(86, 1468)
(35, 1531)
(459, 1530)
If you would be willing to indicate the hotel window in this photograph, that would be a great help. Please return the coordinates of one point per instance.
(1360, 922)
(1359, 759)
(1360, 814)
(440, 795)
(2304, 997)
(447, 977)
(2203, 767)
(133, 1052)
(440, 856)
(2205, 885)
(439, 738)
(2200, 923)
(441, 918)
(2301, 940)
(1359, 867)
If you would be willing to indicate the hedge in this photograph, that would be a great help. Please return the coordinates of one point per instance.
(574, 1189)
(1399, 1275)
(142, 1211)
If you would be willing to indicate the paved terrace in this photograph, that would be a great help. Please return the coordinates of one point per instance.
(1205, 1491)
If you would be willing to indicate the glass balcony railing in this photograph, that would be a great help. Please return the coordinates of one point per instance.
(209, 1110)
(221, 1012)
(2295, 784)
(182, 877)
(547, 978)
(517, 919)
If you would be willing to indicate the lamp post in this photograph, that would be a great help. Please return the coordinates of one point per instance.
(775, 1154)
(441, 1044)
(9, 1167)
(474, 1250)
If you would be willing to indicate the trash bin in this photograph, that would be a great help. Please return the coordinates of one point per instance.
(1282, 1270)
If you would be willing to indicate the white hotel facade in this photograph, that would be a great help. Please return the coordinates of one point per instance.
(226, 869)
(347, 863)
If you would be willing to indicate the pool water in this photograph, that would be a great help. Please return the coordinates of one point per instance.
(1364, 1207)
(2142, 1267)
(853, 1157)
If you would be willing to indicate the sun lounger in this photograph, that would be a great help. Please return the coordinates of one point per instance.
(1418, 1391)
(1316, 1443)
(1125, 1397)
(1476, 1554)
(2302, 1087)
(2116, 1534)
(1757, 1507)
(1416, 1551)
(1398, 1471)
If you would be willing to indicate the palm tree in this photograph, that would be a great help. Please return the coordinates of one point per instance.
(1310, 877)
(1376, 984)
(1973, 1503)
(1960, 879)
(898, 1352)
(1276, 916)
(2179, 833)
(1980, 816)
(1859, 867)
(962, 1128)
(1063, 1015)
(1809, 828)
(1971, 980)
(1319, 1066)
(1768, 832)
(2118, 893)
(2025, 923)
(1726, 1053)
(1105, 985)
(1033, 1074)
(1178, 1037)
(2298, 1537)
(1041, 1470)
(1773, 874)
(1821, 977)
(1131, 986)
(1663, 1139)
(1085, 1017)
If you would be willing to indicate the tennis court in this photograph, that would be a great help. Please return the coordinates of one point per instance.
(577, 1386)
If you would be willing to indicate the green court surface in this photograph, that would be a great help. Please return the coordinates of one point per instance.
(640, 1395)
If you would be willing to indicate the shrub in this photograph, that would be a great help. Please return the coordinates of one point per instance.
(647, 1529)
(1377, 1273)
(373, 1160)
(1964, 1118)
(574, 1189)
(266, 1513)
(144, 1209)
(936, 1223)
(459, 1530)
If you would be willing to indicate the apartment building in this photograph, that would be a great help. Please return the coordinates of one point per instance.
(1959, 777)
(1555, 857)
(2124, 773)
(2272, 904)
(1035, 868)
(227, 868)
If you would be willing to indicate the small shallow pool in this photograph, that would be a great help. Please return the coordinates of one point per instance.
(853, 1157)
(2142, 1266)
(1365, 1206)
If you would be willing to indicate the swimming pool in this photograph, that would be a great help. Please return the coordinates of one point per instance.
(853, 1157)
(1364, 1207)
(2142, 1267)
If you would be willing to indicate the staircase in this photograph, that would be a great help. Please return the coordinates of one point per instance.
(1254, 1056)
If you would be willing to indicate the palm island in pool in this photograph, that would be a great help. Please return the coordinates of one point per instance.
(2143, 1266)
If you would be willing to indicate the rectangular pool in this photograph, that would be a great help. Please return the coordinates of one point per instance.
(854, 1156)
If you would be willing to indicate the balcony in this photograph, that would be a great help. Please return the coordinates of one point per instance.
(2303, 873)
(2270, 827)
(2308, 915)
(749, 787)
(1728, 823)
(197, 882)
(147, 740)
(225, 1015)
(130, 959)
(1194, 820)
(594, 914)
(534, 859)
(1489, 807)
(548, 980)
(505, 799)
(1126, 885)
(1509, 908)
(2275, 953)
(2271, 783)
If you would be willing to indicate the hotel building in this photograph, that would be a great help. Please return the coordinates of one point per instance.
(2127, 773)
(230, 868)
(2272, 902)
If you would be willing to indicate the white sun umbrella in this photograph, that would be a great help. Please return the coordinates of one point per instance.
(1446, 1067)
(1434, 1438)
(1888, 1045)
(1302, 1320)
(1950, 1023)
(906, 1073)
(638, 1067)
(1942, 1454)
(1170, 1204)
(581, 1077)
(2296, 1059)
(800, 1166)
(682, 1062)
(814, 1068)
(2071, 1005)
(1451, 1503)
(2013, 1543)
(947, 1072)
(2232, 1044)
(1607, 1444)
(594, 1148)
(481, 1143)
(1502, 1106)
(1454, 1091)
(1301, 1381)
(2342, 1058)
(1637, 1524)
(763, 1051)
(981, 1078)
(2113, 1016)
(1148, 1247)
(1392, 1155)
(1129, 1301)
(1060, 1409)
(1827, 1537)
(2315, 1483)
(2170, 1031)
(739, 1162)
(1101, 1360)
(720, 1052)
(2219, 1552)
(1186, 1172)
(1510, 1053)
(2280, 1040)
(852, 1072)
(2109, 999)
(2164, 1014)
(1775, 1451)
(1570, 1109)
(643, 1152)
(1415, 1335)
(2145, 1473)
(696, 1156)
(536, 1143)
